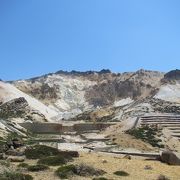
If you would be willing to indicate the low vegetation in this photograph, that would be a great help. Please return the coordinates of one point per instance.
(53, 160)
(100, 178)
(15, 176)
(84, 170)
(23, 165)
(5, 163)
(65, 172)
(121, 173)
(147, 134)
(40, 151)
(38, 167)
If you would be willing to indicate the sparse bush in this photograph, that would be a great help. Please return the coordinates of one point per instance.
(147, 134)
(84, 170)
(81, 170)
(121, 173)
(38, 167)
(100, 178)
(23, 165)
(53, 160)
(65, 171)
(40, 151)
(5, 163)
(15, 176)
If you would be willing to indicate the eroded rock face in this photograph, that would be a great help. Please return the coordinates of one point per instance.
(19, 108)
(14, 108)
(67, 91)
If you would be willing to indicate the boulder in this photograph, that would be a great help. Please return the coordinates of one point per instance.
(17, 143)
(148, 167)
(2, 156)
(170, 158)
(16, 158)
(162, 177)
(13, 152)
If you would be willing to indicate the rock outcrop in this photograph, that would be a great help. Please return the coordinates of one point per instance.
(170, 158)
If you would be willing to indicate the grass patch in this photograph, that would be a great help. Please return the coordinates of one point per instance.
(147, 134)
(38, 167)
(53, 160)
(121, 173)
(15, 176)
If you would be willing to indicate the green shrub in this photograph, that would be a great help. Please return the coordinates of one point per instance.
(5, 163)
(40, 151)
(81, 170)
(65, 171)
(147, 134)
(100, 178)
(38, 167)
(23, 165)
(121, 173)
(53, 160)
(84, 170)
(15, 176)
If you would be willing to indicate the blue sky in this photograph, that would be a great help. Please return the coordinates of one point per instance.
(42, 36)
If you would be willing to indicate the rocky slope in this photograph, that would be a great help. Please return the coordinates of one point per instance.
(72, 93)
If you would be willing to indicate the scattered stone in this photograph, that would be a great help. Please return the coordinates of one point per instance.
(127, 157)
(169, 158)
(104, 161)
(148, 167)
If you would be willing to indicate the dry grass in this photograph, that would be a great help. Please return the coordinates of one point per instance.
(134, 167)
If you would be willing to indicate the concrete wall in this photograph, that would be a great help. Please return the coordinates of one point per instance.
(60, 129)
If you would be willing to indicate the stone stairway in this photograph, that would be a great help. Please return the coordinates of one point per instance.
(171, 122)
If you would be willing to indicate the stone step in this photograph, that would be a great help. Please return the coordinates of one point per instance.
(176, 135)
(174, 128)
(167, 120)
(163, 123)
(170, 125)
(175, 131)
(160, 119)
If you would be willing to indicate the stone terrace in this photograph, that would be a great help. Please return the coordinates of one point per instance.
(171, 122)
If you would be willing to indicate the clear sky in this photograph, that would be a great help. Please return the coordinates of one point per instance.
(42, 36)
